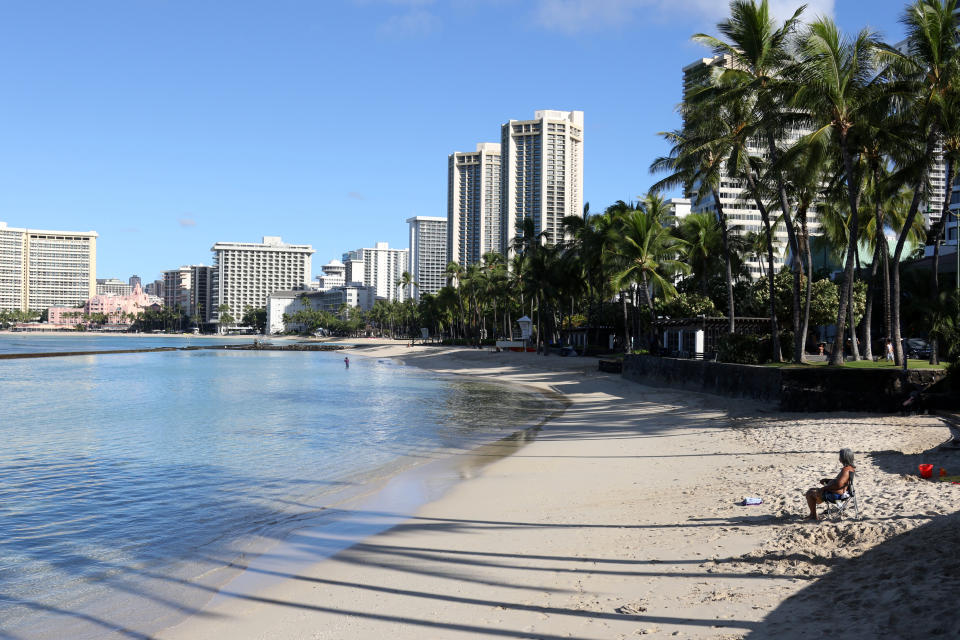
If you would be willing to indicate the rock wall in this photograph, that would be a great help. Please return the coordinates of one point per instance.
(791, 389)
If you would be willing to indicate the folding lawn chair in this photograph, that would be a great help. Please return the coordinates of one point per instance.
(839, 505)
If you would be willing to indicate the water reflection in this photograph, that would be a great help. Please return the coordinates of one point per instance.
(146, 462)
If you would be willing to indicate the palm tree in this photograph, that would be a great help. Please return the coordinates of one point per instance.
(836, 86)
(225, 319)
(702, 234)
(759, 51)
(695, 161)
(646, 254)
(927, 74)
(406, 283)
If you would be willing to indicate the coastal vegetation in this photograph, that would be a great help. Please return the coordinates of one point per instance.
(815, 125)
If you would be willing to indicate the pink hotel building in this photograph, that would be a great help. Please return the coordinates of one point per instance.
(116, 308)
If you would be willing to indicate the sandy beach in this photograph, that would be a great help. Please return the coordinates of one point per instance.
(621, 519)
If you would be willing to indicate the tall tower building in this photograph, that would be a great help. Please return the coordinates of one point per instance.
(43, 269)
(542, 172)
(381, 266)
(428, 254)
(176, 288)
(474, 204)
(741, 210)
(247, 272)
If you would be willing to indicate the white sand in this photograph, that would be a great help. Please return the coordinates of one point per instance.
(620, 520)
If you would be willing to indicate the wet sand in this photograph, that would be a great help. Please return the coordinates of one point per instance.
(621, 519)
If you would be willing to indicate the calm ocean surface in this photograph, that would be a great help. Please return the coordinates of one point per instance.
(141, 474)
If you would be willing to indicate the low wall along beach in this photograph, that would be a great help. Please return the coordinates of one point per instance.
(792, 389)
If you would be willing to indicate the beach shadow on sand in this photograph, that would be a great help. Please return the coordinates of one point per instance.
(903, 588)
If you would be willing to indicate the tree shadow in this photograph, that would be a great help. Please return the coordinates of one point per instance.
(905, 587)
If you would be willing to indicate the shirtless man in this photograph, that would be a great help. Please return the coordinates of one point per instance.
(834, 487)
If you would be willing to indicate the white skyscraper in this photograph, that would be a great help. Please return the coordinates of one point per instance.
(246, 272)
(428, 254)
(474, 204)
(43, 269)
(382, 267)
(542, 172)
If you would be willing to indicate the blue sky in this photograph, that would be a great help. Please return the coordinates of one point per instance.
(169, 125)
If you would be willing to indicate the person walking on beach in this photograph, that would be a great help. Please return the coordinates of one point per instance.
(833, 488)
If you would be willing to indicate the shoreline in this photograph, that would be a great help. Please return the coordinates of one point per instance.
(620, 518)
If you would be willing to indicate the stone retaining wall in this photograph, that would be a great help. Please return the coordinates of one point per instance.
(791, 389)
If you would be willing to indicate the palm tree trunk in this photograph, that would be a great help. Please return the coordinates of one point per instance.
(853, 195)
(626, 323)
(728, 269)
(898, 253)
(809, 290)
(795, 266)
(765, 217)
(868, 308)
(854, 347)
(934, 274)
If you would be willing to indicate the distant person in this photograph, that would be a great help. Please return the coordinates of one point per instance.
(888, 350)
(833, 488)
(346, 362)
(820, 349)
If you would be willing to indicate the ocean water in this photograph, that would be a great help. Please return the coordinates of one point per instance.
(79, 341)
(129, 482)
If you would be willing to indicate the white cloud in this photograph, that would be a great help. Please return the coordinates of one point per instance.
(417, 22)
(573, 16)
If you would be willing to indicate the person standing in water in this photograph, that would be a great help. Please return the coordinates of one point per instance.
(346, 362)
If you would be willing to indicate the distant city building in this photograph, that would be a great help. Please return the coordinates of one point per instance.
(247, 273)
(176, 288)
(154, 288)
(43, 269)
(542, 173)
(119, 309)
(474, 204)
(202, 280)
(679, 207)
(428, 254)
(133, 281)
(334, 275)
(379, 267)
(113, 286)
(281, 303)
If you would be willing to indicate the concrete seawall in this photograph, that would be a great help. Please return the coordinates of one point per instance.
(791, 389)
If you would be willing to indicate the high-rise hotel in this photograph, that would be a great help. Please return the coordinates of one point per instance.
(428, 254)
(245, 273)
(43, 269)
(535, 172)
(474, 204)
(542, 172)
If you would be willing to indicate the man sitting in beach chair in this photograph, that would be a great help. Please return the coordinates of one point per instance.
(835, 491)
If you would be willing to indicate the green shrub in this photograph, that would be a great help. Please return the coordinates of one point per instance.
(739, 349)
(953, 375)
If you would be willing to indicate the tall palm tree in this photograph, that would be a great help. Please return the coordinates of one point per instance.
(760, 53)
(836, 86)
(647, 255)
(695, 162)
(928, 73)
(406, 283)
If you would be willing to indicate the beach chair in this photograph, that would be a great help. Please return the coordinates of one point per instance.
(839, 505)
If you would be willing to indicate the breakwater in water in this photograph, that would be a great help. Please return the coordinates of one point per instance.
(221, 347)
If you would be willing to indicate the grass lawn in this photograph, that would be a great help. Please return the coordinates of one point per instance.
(865, 364)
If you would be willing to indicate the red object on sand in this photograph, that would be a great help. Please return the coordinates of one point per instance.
(926, 470)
